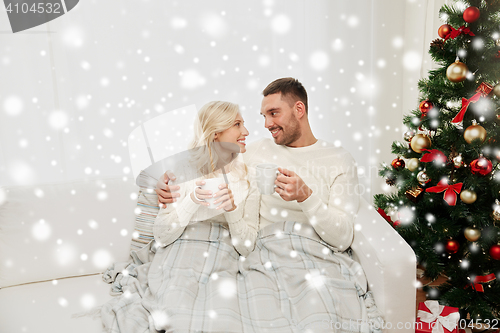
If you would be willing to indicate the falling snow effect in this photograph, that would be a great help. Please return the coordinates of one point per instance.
(102, 258)
(319, 60)
(184, 58)
(208, 54)
(281, 24)
(13, 106)
(21, 173)
(191, 79)
(58, 120)
(66, 254)
(73, 37)
(41, 230)
(214, 25)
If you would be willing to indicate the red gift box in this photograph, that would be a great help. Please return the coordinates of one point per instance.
(435, 318)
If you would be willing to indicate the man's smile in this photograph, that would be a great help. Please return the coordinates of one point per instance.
(274, 132)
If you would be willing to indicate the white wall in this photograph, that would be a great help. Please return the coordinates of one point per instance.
(74, 88)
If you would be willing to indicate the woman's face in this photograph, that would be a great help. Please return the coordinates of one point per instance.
(235, 134)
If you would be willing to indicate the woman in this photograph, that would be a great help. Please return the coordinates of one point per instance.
(218, 122)
(185, 279)
(193, 275)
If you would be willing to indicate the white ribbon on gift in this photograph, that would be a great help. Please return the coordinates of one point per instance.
(449, 322)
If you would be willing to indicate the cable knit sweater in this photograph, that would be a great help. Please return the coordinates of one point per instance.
(329, 171)
(243, 222)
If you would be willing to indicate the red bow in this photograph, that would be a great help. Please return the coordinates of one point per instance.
(476, 284)
(433, 154)
(483, 90)
(451, 191)
(457, 32)
(387, 217)
(465, 104)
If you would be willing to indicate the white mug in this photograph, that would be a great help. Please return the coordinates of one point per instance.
(211, 184)
(266, 174)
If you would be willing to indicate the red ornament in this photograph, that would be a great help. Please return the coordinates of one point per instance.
(481, 166)
(425, 106)
(444, 30)
(495, 252)
(471, 14)
(398, 163)
(452, 246)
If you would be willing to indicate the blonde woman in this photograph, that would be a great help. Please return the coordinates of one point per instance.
(196, 262)
(190, 269)
(218, 122)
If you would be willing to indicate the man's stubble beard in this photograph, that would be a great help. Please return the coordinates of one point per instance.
(292, 133)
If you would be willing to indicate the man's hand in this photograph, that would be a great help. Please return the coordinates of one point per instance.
(291, 187)
(164, 191)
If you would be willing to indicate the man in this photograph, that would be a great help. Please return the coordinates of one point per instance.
(318, 181)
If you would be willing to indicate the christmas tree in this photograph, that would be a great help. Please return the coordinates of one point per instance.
(446, 172)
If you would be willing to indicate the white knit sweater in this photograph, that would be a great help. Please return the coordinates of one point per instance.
(242, 222)
(329, 171)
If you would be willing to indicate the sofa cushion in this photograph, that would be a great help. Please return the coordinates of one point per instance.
(47, 307)
(64, 229)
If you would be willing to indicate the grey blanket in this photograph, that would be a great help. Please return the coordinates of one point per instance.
(291, 282)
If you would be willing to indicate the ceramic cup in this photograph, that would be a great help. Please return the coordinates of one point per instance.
(212, 184)
(266, 174)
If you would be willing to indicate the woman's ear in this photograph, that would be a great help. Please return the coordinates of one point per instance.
(215, 136)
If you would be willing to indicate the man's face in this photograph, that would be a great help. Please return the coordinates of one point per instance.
(280, 120)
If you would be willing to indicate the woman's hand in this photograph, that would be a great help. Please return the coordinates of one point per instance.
(201, 194)
(225, 197)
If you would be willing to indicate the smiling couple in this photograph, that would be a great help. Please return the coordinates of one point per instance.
(260, 262)
(256, 263)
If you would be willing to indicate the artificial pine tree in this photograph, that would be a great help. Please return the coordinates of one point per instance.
(447, 171)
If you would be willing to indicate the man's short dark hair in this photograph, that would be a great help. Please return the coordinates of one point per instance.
(291, 90)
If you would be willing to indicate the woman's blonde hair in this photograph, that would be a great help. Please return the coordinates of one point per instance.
(214, 117)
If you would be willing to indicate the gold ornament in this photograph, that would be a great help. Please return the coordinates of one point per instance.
(457, 71)
(496, 90)
(423, 178)
(413, 164)
(497, 42)
(419, 142)
(472, 234)
(475, 131)
(468, 196)
(496, 211)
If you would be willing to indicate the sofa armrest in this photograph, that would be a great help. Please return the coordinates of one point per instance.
(72, 228)
(390, 267)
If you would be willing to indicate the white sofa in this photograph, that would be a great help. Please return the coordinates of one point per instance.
(57, 239)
